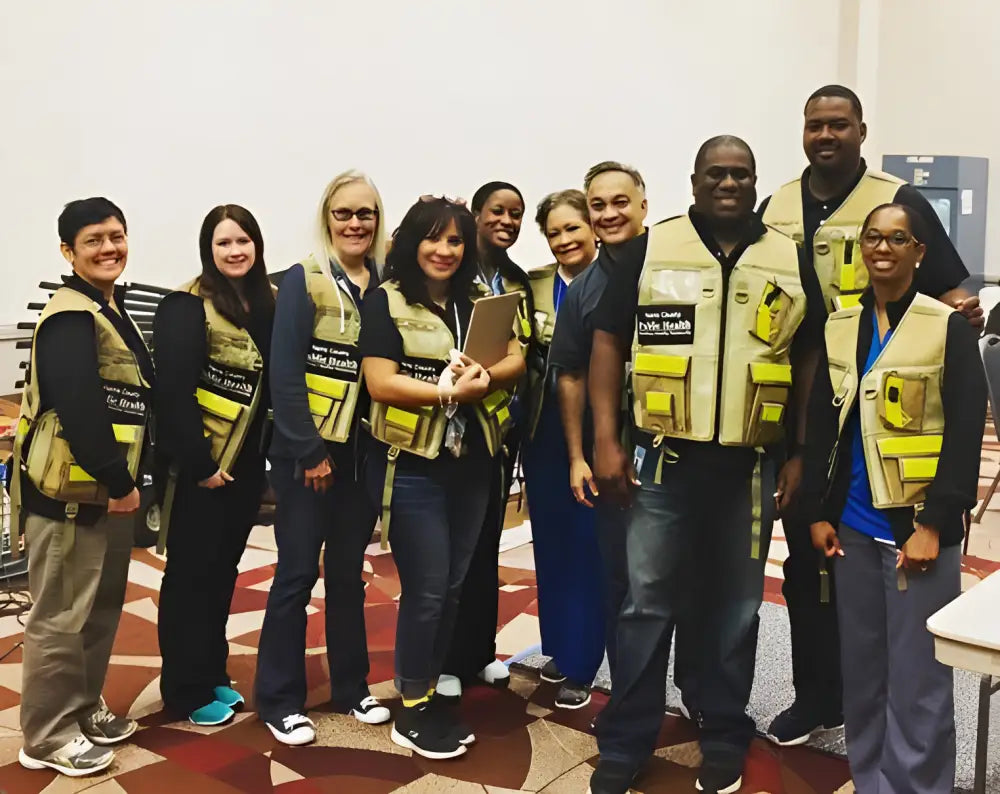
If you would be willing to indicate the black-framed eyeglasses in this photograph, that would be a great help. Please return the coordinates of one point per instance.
(897, 240)
(343, 214)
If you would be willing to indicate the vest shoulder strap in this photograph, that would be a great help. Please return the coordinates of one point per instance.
(677, 239)
(785, 207)
(882, 176)
(544, 272)
(67, 299)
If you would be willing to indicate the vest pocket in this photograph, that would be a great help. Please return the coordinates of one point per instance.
(901, 399)
(219, 417)
(662, 392)
(406, 429)
(326, 397)
(768, 386)
(909, 464)
(772, 314)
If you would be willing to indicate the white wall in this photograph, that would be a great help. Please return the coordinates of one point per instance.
(171, 108)
(938, 64)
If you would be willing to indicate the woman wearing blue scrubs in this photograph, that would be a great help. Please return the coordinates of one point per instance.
(567, 557)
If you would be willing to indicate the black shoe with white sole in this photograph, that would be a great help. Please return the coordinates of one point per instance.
(551, 673)
(424, 730)
(612, 777)
(720, 777)
(446, 710)
(572, 695)
(370, 711)
(799, 723)
(294, 729)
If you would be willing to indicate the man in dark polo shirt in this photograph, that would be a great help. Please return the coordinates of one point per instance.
(822, 211)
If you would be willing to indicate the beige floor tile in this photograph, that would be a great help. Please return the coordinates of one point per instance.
(342, 730)
(262, 538)
(687, 754)
(523, 684)
(243, 623)
(137, 661)
(555, 750)
(143, 574)
(9, 745)
(497, 790)
(256, 558)
(521, 557)
(847, 788)
(144, 608)
(438, 784)
(10, 676)
(128, 757)
(538, 711)
(148, 701)
(575, 781)
(208, 730)
(11, 718)
(522, 632)
(282, 774)
(107, 787)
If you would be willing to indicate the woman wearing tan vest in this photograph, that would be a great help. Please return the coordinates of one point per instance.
(317, 457)
(211, 342)
(895, 430)
(440, 424)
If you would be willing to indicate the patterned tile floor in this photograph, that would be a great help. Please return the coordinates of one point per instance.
(524, 743)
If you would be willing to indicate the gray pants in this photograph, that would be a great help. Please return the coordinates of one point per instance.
(66, 651)
(899, 705)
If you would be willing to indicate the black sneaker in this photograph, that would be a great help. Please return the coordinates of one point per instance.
(720, 777)
(551, 673)
(446, 710)
(612, 777)
(572, 695)
(799, 723)
(293, 729)
(423, 730)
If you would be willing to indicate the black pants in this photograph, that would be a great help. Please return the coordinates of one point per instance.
(437, 515)
(474, 642)
(343, 518)
(207, 536)
(611, 524)
(815, 638)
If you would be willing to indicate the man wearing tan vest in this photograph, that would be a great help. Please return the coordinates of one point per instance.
(822, 211)
(714, 310)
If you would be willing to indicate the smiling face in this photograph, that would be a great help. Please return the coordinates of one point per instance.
(232, 249)
(99, 252)
(889, 249)
(833, 135)
(570, 237)
(499, 222)
(724, 184)
(440, 255)
(352, 218)
(617, 207)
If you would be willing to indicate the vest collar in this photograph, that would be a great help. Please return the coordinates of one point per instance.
(79, 284)
(895, 309)
(754, 230)
(809, 200)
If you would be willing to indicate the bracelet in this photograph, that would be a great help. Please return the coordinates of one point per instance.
(490, 376)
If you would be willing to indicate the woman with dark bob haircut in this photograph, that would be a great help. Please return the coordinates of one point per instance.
(438, 418)
(212, 339)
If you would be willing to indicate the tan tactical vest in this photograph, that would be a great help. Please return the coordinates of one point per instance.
(541, 281)
(836, 250)
(230, 387)
(522, 323)
(427, 343)
(675, 352)
(902, 418)
(48, 461)
(333, 365)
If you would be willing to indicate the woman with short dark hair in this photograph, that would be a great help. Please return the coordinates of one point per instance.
(439, 420)
(211, 345)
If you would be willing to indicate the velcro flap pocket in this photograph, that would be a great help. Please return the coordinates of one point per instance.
(217, 405)
(770, 374)
(328, 387)
(901, 401)
(917, 469)
(319, 405)
(909, 464)
(772, 413)
(126, 434)
(661, 365)
(660, 385)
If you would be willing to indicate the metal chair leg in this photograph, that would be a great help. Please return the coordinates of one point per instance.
(986, 689)
(986, 499)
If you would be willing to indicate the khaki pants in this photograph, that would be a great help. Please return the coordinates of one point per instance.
(66, 651)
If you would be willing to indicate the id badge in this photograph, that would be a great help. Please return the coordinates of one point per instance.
(453, 435)
(637, 458)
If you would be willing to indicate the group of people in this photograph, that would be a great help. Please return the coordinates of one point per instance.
(669, 390)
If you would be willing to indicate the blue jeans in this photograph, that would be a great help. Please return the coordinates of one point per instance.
(688, 547)
(438, 510)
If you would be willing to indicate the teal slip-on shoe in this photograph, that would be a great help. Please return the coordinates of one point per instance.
(215, 713)
(229, 697)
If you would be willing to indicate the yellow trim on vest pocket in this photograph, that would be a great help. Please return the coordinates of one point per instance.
(896, 446)
(220, 406)
(658, 402)
(493, 400)
(846, 301)
(847, 277)
(125, 434)
(777, 374)
(655, 364)
(502, 416)
(917, 469)
(318, 404)
(397, 417)
(771, 412)
(76, 474)
(328, 387)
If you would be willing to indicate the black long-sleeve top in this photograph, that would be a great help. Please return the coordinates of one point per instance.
(65, 364)
(180, 350)
(295, 434)
(963, 396)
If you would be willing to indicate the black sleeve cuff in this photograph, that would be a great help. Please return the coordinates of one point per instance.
(117, 480)
(205, 469)
(936, 513)
(316, 455)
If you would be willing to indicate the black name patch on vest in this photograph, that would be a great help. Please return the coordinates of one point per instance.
(332, 359)
(127, 403)
(236, 384)
(422, 369)
(665, 325)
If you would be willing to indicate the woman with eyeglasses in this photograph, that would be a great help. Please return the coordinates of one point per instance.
(440, 433)
(317, 458)
(211, 341)
(498, 209)
(895, 430)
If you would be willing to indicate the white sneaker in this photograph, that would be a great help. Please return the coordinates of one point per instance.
(295, 729)
(371, 712)
(449, 686)
(495, 674)
(76, 758)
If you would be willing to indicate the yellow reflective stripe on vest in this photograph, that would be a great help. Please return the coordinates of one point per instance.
(328, 387)
(318, 404)
(917, 469)
(493, 400)
(656, 364)
(770, 302)
(220, 406)
(661, 403)
(126, 434)
(778, 374)
(899, 446)
(846, 301)
(772, 412)
(77, 474)
(502, 416)
(405, 420)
